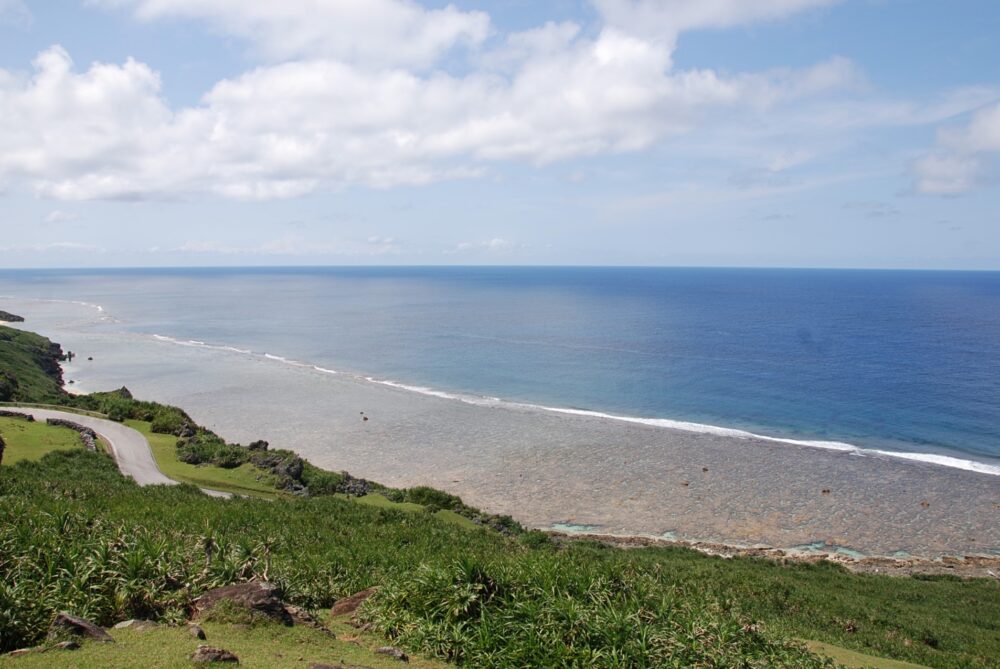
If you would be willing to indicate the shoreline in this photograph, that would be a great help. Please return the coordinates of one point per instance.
(547, 468)
(963, 566)
(938, 459)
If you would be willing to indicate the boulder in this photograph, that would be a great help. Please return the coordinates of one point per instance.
(393, 652)
(350, 604)
(196, 631)
(206, 654)
(138, 625)
(255, 596)
(67, 645)
(66, 623)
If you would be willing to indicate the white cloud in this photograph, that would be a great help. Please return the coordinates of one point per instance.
(288, 129)
(293, 245)
(495, 245)
(946, 174)
(60, 216)
(336, 119)
(665, 19)
(372, 32)
(959, 163)
(16, 13)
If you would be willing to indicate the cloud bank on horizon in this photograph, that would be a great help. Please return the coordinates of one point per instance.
(343, 96)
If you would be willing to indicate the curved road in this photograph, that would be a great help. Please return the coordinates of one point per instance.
(129, 447)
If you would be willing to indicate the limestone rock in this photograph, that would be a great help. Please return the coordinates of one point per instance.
(392, 651)
(66, 623)
(350, 604)
(206, 654)
(133, 624)
(255, 596)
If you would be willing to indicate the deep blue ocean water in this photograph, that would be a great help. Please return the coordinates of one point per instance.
(904, 360)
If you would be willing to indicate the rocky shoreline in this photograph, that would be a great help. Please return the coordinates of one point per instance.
(965, 566)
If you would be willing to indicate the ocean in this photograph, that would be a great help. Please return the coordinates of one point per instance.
(905, 361)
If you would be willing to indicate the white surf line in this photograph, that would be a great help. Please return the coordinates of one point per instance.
(665, 423)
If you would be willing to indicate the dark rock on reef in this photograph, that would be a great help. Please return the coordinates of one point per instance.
(259, 445)
(122, 392)
(355, 486)
(255, 596)
(8, 317)
(68, 624)
(392, 651)
(350, 604)
(206, 654)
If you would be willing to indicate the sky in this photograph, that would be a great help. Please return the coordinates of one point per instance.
(772, 133)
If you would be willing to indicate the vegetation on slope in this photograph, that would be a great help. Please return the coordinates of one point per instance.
(31, 441)
(29, 368)
(75, 535)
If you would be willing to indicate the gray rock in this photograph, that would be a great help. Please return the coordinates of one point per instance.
(350, 604)
(133, 624)
(67, 645)
(255, 596)
(66, 623)
(197, 632)
(392, 651)
(206, 654)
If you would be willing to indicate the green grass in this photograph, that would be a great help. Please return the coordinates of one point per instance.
(76, 535)
(854, 660)
(243, 480)
(31, 441)
(381, 502)
(264, 646)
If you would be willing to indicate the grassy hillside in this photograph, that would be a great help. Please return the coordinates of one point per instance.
(29, 367)
(75, 535)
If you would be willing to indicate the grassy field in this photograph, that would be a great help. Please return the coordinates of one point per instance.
(475, 598)
(243, 480)
(854, 660)
(263, 646)
(31, 441)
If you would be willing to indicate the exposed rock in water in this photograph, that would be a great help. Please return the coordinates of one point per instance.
(255, 596)
(66, 623)
(8, 317)
(350, 604)
(206, 654)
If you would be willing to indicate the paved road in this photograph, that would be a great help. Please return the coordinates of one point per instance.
(129, 447)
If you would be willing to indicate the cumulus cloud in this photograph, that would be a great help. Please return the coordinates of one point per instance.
(16, 13)
(339, 114)
(665, 19)
(60, 216)
(371, 32)
(962, 157)
(495, 245)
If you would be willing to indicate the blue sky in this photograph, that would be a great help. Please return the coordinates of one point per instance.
(817, 133)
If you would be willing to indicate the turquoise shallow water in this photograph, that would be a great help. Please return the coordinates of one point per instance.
(904, 361)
